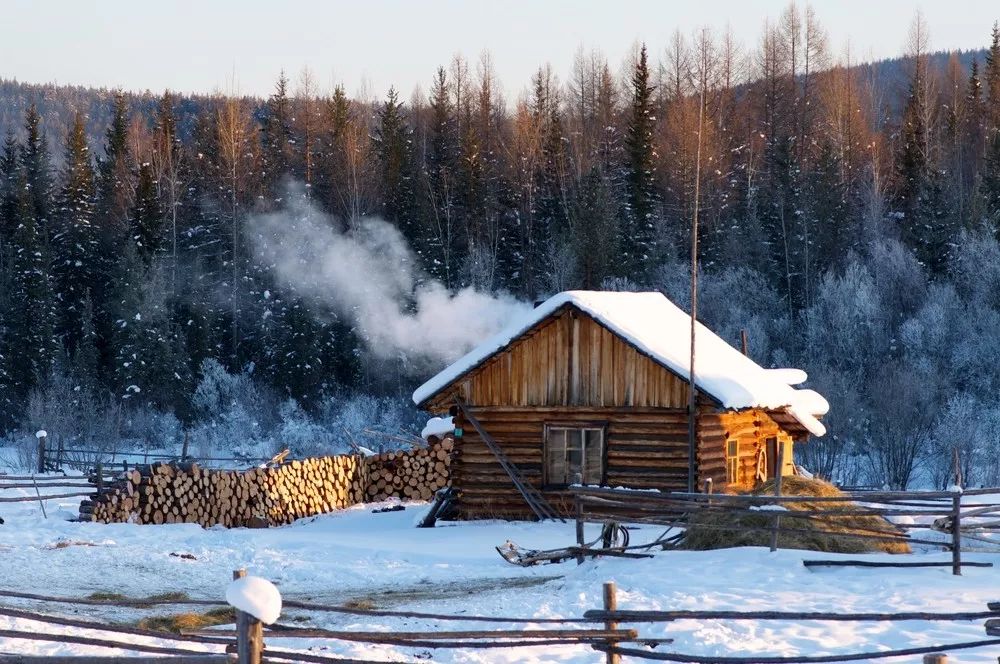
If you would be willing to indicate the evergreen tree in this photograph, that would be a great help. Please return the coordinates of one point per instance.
(276, 138)
(146, 219)
(394, 146)
(28, 345)
(912, 165)
(593, 231)
(992, 75)
(112, 209)
(8, 187)
(441, 176)
(639, 246)
(36, 167)
(989, 185)
(75, 243)
(114, 175)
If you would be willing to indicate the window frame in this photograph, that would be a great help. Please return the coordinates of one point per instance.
(732, 461)
(599, 426)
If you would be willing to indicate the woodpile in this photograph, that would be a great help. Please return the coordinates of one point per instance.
(410, 475)
(187, 493)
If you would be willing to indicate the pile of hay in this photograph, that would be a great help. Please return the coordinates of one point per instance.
(705, 530)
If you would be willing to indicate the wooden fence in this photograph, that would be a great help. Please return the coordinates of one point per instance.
(599, 629)
(940, 511)
(59, 457)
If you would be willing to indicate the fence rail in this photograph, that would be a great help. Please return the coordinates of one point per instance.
(789, 515)
(611, 635)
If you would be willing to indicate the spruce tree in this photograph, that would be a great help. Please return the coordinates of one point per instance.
(640, 252)
(28, 345)
(36, 169)
(75, 242)
(911, 161)
(393, 140)
(441, 176)
(112, 208)
(276, 138)
(8, 187)
(992, 75)
(594, 231)
(146, 220)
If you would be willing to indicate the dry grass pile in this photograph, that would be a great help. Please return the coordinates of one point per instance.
(187, 621)
(718, 529)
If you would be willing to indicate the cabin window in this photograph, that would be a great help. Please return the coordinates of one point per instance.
(574, 455)
(732, 461)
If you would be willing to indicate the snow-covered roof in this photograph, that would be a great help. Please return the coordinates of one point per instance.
(661, 330)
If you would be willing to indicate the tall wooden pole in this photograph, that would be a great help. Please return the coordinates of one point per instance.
(692, 484)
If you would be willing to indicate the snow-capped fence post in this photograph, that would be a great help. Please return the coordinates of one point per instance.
(249, 633)
(41, 436)
(611, 604)
(956, 532)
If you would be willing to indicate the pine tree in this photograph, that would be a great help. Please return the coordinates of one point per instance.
(276, 137)
(394, 146)
(8, 186)
(639, 246)
(911, 162)
(146, 220)
(85, 360)
(28, 345)
(36, 166)
(75, 243)
(441, 176)
(992, 75)
(112, 209)
(114, 171)
(989, 184)
(593, 231)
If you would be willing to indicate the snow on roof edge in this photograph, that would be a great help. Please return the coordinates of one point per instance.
(660, 330)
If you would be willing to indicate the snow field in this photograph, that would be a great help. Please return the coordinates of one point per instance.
(381, 559)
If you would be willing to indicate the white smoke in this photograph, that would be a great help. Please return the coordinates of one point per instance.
(369, 276)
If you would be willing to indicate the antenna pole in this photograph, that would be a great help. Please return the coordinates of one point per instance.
(692, 483)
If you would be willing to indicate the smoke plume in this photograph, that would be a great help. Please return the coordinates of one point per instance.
(369, 276)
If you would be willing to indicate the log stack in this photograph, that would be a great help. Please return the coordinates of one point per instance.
(187, 493)
(410, 475)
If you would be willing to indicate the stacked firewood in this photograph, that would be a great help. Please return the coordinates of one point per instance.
(187, 493)
(410, 475)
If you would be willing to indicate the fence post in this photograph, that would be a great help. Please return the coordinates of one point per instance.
(956, 533)
(41, 451)
(578, 504)
(184, 447)
(936, 658)
(611, 604)
(249, 633)
(779, 469)
(99, 472)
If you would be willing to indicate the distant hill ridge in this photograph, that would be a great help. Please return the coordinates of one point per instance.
(57, 103)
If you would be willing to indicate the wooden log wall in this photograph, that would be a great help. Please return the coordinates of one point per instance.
(749, 428)
(569, 360)
(187, 493)
(645, 448)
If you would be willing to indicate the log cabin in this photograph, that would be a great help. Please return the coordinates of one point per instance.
(593, 388)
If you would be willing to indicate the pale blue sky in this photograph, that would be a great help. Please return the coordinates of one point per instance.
(191, 45)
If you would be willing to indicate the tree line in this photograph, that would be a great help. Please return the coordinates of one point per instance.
(126, 268)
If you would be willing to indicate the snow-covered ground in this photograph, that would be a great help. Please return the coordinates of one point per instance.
(382, 559)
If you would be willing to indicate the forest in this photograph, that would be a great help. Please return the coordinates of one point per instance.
(282, 272)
